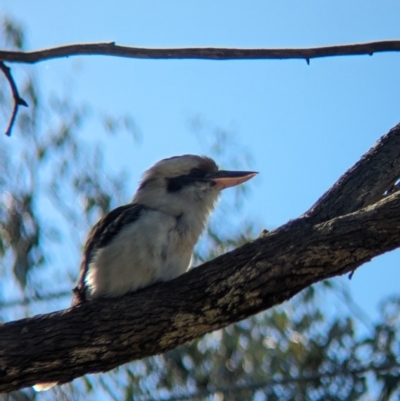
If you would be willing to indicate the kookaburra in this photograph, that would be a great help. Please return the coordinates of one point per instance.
(152, 238)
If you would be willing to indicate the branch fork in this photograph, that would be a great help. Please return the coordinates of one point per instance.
(18, 101)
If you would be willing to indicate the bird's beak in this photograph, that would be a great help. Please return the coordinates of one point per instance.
(226, 179)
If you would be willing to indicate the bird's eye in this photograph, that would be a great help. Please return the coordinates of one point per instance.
(197, 172)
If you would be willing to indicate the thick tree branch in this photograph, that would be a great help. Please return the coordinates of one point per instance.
(102, 334)
(206, 53)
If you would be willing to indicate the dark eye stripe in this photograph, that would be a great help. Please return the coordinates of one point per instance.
(177, 183)
(197, 172)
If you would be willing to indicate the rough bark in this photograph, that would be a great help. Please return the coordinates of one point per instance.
(336, 236)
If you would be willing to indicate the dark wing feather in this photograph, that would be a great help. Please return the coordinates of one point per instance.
(100, 236)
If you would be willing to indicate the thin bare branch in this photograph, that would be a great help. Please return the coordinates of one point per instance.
(18, 101)
(205, 53)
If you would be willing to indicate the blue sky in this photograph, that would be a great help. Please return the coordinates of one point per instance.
(304, 125)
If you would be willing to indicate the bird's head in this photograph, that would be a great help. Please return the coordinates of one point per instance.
(189, 181)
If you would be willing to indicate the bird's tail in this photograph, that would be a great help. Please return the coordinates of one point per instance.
(43, 386)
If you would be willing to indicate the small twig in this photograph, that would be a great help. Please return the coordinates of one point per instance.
(351, 274)
(18, 101)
